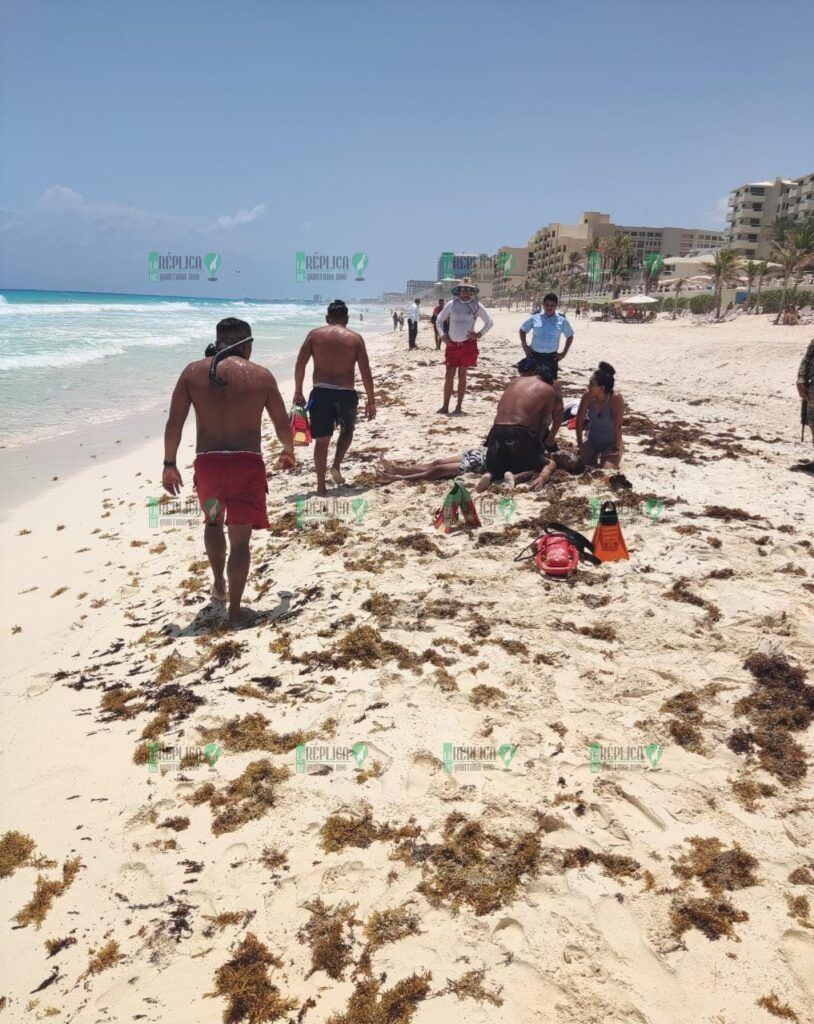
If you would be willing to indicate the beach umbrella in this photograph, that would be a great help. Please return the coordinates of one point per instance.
(638, 300)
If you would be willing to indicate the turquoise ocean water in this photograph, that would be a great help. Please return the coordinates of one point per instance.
(72, 358)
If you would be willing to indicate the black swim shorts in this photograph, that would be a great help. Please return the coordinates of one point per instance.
(512, 448)
(329, 408)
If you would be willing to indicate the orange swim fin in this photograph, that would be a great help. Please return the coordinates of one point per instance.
(609, 544)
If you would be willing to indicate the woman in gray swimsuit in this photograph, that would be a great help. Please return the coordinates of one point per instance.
(603, 409)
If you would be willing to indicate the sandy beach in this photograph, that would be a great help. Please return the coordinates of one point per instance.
(381, 803)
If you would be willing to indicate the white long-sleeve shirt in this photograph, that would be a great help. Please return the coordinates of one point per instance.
(462, 316)
(412, 313)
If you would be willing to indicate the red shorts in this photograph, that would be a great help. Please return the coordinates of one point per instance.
(233, 483)
(462, 353)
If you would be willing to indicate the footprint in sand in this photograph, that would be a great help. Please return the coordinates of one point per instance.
(343, 877)
(797, 949)
(424, 773)
(509, 934)
(138, 885)
(40, 685)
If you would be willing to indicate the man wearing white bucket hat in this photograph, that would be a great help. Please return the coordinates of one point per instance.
(456, 324)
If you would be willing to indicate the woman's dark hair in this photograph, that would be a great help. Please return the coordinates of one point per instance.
(604, 375)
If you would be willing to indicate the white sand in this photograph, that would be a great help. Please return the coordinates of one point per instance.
(570, 945)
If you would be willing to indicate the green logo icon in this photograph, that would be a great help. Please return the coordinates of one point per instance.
(152, 756)
(212, 752)
(359, 751)
(506, 260)
(596, 757)
(446, 258)
(594, 504)
(152, 512)
(152, 266)
(359, 261)
(360, 508)
(212, 509)
(507, 752)
(654, 507)
(507, 507)
(300, 266)
(212, 262)
(654, 752)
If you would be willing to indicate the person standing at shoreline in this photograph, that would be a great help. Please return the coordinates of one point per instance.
(412, 323)
(229, 394)
(336, 351)
(456, 323)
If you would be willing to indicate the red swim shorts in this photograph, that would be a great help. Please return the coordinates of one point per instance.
(233, 483)
(462, 353)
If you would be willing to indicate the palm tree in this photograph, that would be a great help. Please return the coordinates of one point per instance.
(619, 252)
(793, 249)
(751, 270)
(762, 271)
(678, 287)
(724, 269)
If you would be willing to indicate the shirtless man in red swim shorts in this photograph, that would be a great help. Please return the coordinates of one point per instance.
(229, 394)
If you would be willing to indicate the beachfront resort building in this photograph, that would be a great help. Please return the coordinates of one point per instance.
(416, 287)
(754, 208)
(509, 271)
(551, 247)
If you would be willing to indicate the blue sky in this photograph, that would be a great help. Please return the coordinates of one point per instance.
(257, 129)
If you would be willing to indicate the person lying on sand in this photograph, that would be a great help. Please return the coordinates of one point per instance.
(229, 394)
(604, 410)
(336, 351)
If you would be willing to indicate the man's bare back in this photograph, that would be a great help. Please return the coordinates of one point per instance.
(527, 402)
(335, 350)
(229, 418)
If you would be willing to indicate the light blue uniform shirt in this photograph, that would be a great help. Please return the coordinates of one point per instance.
(547, 331)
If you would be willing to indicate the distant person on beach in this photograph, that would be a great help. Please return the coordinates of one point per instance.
(805, 389)
(229, 394)
(401, 321)
(412, 323)
(395, 320)
(604, 409)
(457, 327)
(336, 351)
(439, 305)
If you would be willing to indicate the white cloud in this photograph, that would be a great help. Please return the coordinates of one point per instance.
(63, 200)
(716, 217)
(241, 217)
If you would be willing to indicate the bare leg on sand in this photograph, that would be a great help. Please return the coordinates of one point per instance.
(215, 544)
(461, 390)
(237, 570)
(320, 462)
(343, 443)
(449, 384)
(439, 469)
